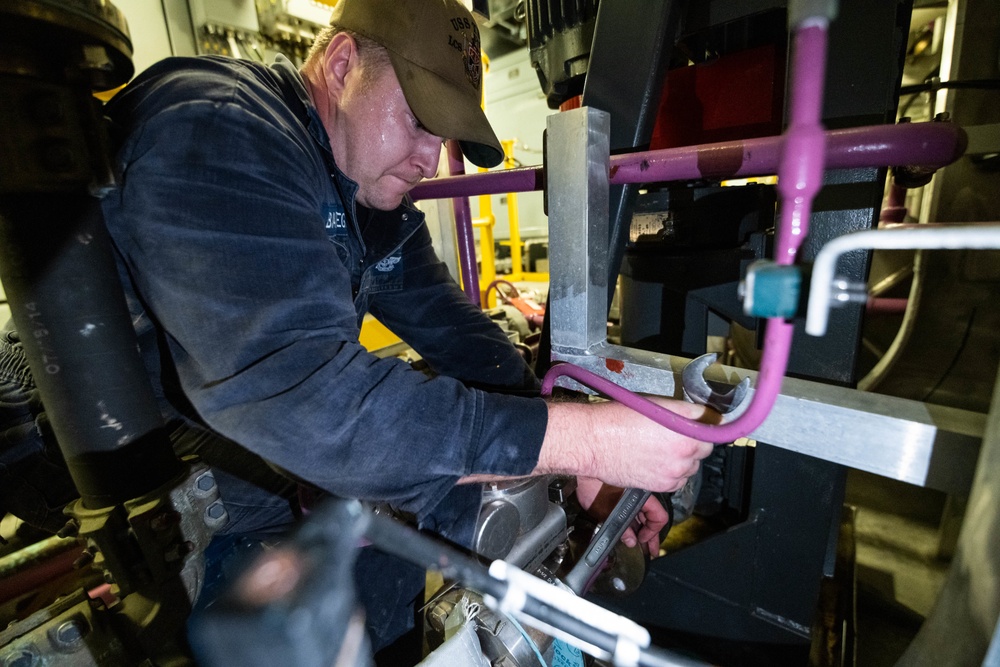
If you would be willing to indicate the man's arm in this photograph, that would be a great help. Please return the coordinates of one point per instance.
(256, 328)
(455, 338)
(610, 442)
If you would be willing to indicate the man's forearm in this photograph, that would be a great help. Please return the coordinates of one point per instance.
(610, 442)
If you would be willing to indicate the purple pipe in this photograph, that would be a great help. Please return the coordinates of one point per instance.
(522, 179)
(777, 342)
(800, 176)
(884, 306)
(933, 145)
(463, 226)
(894, 211)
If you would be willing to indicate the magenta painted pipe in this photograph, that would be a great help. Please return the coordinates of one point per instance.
(884, 306)
(933, 145)
(777, 342)
(800, 176)
(522, 179)
(463, 226)
(894, 211)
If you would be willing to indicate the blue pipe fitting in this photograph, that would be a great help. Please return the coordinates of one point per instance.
(771, 289)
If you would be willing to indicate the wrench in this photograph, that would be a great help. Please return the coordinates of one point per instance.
(697, 390)
(589, 566)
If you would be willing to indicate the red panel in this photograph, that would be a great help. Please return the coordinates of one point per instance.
(737, 96)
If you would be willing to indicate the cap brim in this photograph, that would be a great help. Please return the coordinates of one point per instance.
(449, 111)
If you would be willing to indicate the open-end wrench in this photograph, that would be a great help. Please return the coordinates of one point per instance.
(592, 561)
(697, 390)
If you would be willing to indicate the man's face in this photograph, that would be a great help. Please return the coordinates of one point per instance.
(376, 140)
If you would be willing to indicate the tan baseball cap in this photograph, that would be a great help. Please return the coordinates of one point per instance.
(434, 49)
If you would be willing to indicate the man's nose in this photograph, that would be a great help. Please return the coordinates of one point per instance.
(428, 155)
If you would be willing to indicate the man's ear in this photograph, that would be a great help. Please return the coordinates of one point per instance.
(340, 58)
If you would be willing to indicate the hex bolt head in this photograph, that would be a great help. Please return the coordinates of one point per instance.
(68, 636)
(205, 482)
(23, 657)
(215, 512)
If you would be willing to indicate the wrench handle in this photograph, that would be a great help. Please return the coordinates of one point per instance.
(626, 510)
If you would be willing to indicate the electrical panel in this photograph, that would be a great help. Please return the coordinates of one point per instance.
(258, 29)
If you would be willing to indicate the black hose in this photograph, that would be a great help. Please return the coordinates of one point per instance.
(67, 303)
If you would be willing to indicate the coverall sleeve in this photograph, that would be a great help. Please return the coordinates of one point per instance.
(434, 316)
(217, 222)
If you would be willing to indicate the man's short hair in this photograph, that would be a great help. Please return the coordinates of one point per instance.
(371, 52)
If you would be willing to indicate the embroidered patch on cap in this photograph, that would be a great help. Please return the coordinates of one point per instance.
(473, 59)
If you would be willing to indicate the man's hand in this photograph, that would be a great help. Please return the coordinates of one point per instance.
(598, 499)
(616, 445)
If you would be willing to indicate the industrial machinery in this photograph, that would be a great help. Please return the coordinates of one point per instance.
(642, 195)
(143, 518)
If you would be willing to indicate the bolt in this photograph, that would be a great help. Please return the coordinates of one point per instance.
(85, 559)
(71, 529)
(24, 657)
(69, 635)
(215, 511)
(439, 613)
(205, 482)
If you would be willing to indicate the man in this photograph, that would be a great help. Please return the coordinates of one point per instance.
(261, 212)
